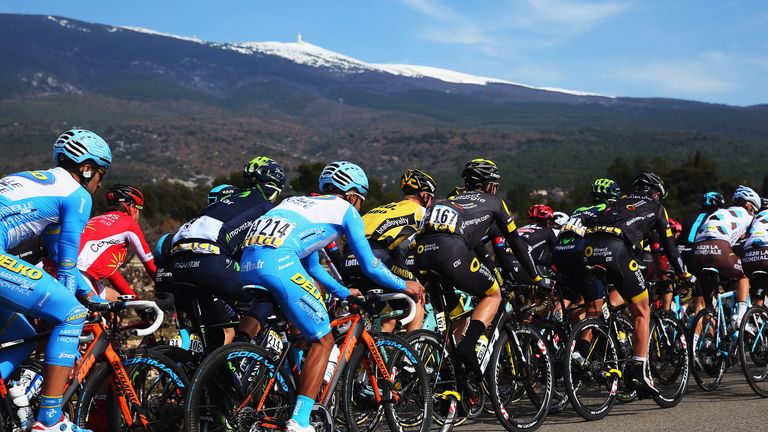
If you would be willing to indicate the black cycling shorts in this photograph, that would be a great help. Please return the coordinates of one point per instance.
(568, 258)
(449, 256)
(623, 269)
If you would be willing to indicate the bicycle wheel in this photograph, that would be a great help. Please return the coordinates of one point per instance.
(407, 401)
(668, 358)
(157, 381)
(707, 360)
(592, 369)
(238, 388)
(430, 349)
(753, 349)
(520, 364)
(625, 329)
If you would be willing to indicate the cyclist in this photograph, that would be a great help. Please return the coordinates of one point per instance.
(540, 236)
(614, 241)
(55, 203)
(454, 230)
(206, 250)
(282, 253)
(756, 251)
(713, 247)
(220, 191)
(711, 201)
(104, 243)
(390, 230)
(568, 254)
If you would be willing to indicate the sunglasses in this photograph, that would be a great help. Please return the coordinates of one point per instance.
(356, 194)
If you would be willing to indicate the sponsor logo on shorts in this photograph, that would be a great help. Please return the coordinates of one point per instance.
(306, 285)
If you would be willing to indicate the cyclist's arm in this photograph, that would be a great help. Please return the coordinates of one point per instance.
(516, 242)
(373, 268)
(141, 248)
(75, 211)
(119, 283)
(317, 271)
(667, 240)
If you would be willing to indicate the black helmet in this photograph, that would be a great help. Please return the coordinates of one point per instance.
(647, 181)
(120, 193)
(713, 200)
(478, 172)
(605, 189)
(414, 181)
(763, 204)
(266, 175)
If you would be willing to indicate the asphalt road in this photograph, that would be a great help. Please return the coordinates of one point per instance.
(733, 407)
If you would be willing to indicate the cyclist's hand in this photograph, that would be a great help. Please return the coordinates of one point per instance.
(415, 290)
(355, 292)
(543, 282)
(688, 278)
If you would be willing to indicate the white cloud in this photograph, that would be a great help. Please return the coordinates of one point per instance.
(678, 77)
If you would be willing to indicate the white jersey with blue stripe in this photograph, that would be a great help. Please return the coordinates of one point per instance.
(758, 232)
(307, 224)
(729, 224)
(32, 201)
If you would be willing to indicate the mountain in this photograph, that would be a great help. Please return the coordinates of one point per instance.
(176, 107)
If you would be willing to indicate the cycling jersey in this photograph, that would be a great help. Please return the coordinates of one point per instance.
(388, 225)
(31, 203)
(541, 240)
(222, 226)
(729, 224)
(285, 241)
(757, 236)
(104, 248)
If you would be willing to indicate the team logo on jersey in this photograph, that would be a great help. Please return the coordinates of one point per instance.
(630, 207)
(633, 265)
(38, 177)
(10, 263)
(474, 266)
(588, 251)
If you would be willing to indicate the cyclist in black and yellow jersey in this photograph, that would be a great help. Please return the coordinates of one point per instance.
(391, 230)
(453, 230)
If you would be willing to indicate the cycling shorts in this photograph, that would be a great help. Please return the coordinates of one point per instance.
(294, 291)
(449, 256)
(717, 254)
(622, 268)
(756, 259)
(568, 258)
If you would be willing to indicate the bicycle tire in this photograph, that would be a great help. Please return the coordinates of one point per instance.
(521, 360)
(668, 358)
(216, 388)
(753, 349)
(148, 371)
(601, 360)
(708, 366)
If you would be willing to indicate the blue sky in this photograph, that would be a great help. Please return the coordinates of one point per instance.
(707, 50)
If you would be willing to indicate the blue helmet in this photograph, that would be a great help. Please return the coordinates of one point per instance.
(218, 192)
(80, 145)
(344, 176)
(713, 200)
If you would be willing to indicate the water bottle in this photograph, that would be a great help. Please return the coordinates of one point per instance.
(481, 347)
(18, 394)
(332, 360)
(35, 383)
(578, 358)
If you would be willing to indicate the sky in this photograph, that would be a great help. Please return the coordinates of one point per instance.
(706, 50)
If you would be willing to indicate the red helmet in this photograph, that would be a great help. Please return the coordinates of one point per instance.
(120, 193)
(540, 212)
(676, 227)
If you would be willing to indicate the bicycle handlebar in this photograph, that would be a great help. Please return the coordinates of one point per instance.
(133, 304)
(411, 305)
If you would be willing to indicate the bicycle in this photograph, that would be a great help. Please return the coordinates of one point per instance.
(517, 366)
(714, 341)
(242, 386)
(753, 338)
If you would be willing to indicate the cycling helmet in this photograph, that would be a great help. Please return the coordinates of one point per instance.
(647, 181)
(713, 200)
(80, 145)
(676, 227)
(478, 172)
(266, 175)
(162, 250)
(763, 204)
(605, 189)
(746, 194)
(415, 181)
(218, 192)
(120, 193)
(560, 218)
(344, 176)
(540, 212)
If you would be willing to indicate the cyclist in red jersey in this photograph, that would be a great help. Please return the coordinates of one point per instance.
(104, 243)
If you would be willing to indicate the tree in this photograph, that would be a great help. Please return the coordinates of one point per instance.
(306, 181)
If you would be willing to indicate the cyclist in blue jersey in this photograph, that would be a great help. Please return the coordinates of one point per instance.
(282, 254)
(56, 204)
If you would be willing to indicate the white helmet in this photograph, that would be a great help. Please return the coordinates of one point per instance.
(560, 218)
(747, 194)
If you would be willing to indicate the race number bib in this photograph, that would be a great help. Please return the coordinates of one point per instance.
(270, 232)
(443, 218)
